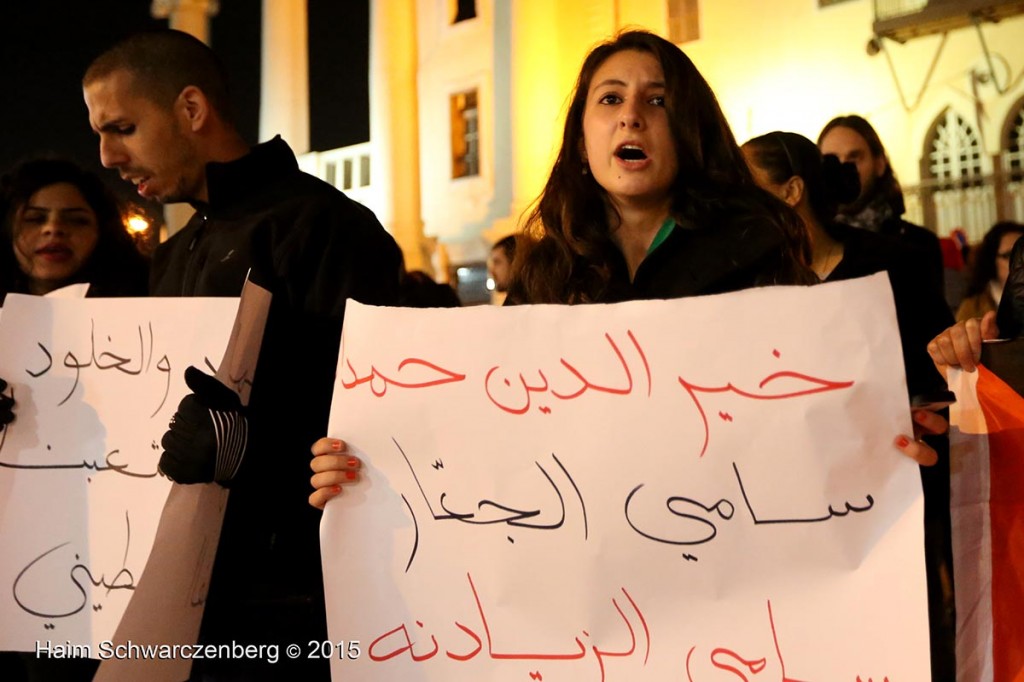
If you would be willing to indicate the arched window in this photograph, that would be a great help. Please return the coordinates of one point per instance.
(955, 159)
(954, 170)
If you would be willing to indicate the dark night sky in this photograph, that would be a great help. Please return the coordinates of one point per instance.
(45, 46)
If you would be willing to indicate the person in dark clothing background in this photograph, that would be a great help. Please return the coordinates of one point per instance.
(419, 290)
(1010, 315)
(879, 207)
(159, 104)
(499, 262)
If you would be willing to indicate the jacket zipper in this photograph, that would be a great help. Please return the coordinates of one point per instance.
(188, 286)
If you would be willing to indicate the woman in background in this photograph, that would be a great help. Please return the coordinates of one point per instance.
(990, 268)
(63, 226)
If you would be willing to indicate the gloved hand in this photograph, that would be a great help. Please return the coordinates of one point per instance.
(208, 434)
(6, 406)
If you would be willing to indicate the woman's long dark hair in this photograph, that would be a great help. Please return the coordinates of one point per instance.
(827, 182)
(115, 268)
(567, 251)
(983, 258)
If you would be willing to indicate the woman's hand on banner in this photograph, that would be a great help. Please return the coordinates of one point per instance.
(333, 467)
(926, 422)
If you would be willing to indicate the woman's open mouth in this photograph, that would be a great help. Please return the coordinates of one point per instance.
(631, 152)
(54, 252)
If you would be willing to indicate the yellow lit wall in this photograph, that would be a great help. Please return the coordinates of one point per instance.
(790, 65)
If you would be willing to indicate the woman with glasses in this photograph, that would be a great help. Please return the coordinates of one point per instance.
(990, 268)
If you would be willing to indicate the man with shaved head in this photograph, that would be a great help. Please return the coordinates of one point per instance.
(159, 103)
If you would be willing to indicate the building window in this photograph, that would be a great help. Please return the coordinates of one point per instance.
(464, 9)
(958, 194)
(364, 170)
(683, 21)
(465, 135)
(346, 183)
(954, 157)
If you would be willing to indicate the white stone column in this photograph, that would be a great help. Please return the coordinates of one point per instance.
(394, 129)
(192, 17)
(284, 73)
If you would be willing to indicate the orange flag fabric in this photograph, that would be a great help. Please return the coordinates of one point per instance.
(987, 499)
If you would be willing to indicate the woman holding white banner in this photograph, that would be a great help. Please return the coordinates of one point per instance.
(650, 197)
(61, 226)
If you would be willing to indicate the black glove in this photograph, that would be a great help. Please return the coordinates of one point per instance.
(1010, 318)
(6, 406)
(208, 434)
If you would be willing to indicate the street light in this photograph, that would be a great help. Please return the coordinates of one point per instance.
(137, 224)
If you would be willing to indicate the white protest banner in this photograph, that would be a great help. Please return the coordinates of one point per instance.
(78, 290)
(96, 382)
(700, 489)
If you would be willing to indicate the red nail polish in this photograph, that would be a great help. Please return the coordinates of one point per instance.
(353, 462)
(336, 445)
(350, 475)
(902, 441)
(335, 489)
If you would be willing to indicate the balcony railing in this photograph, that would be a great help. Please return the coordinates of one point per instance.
(905, 19)
(973, 205)
(890, 9)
